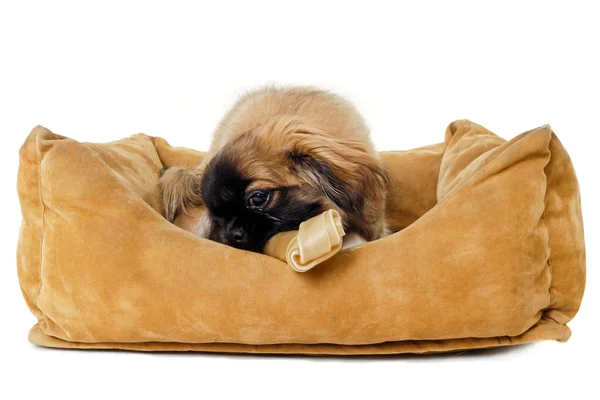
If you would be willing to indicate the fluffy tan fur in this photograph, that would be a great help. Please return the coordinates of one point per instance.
(300, 137)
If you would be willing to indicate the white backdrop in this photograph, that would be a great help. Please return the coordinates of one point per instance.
(105, 71)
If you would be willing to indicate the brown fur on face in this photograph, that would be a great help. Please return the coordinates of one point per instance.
(299, 142)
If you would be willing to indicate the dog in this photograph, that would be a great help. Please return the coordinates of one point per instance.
(279, 157)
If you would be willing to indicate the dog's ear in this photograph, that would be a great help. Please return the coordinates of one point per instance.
(344, 170)
(180, 189)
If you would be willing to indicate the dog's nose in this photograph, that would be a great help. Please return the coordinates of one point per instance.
(236, 236)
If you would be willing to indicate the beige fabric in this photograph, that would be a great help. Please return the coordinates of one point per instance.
(489, 252)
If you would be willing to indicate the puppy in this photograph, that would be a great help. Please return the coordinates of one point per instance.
(279, 157)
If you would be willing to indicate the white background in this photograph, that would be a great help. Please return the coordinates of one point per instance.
(103, 72)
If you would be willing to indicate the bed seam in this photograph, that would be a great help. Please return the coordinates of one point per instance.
(43, 219)
(549, 261)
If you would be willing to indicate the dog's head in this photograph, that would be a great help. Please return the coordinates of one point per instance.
(278, 175)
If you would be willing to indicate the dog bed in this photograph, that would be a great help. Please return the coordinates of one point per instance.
(489, 251)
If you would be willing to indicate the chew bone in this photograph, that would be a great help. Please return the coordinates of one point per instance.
(317, 240)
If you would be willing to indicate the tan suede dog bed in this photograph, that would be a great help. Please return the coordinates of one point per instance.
(490, 252)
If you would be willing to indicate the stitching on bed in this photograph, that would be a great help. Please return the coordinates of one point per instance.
(549, 261)
(43, 218)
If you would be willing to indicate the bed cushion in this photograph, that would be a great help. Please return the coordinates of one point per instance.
(489, 251)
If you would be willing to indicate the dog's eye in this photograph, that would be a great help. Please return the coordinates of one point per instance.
(259, 198)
